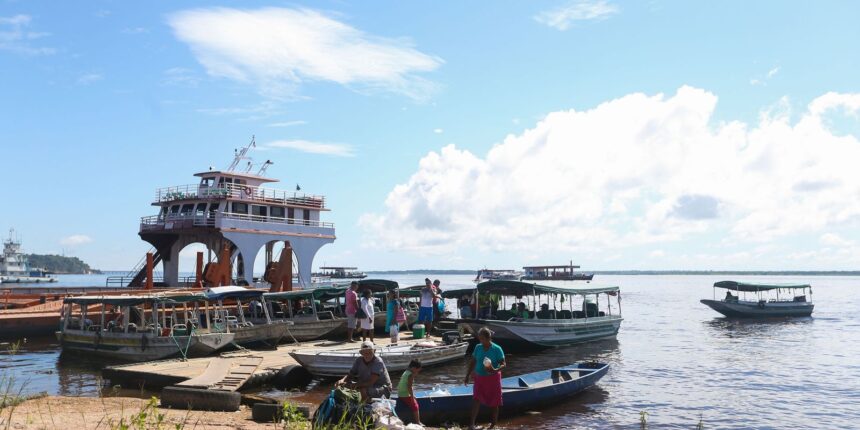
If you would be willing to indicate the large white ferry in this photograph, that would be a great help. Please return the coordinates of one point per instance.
(14, 267)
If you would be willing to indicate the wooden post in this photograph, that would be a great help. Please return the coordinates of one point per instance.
(288, 277)
(149, 265)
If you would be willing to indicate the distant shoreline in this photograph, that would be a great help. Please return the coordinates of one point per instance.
(648, 272)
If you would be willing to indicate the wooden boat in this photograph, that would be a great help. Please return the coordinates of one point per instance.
(249, 320)
(336, 363)
(574, 319)
(760, 306)
(521, 393)
(304, 309)
(139, 328)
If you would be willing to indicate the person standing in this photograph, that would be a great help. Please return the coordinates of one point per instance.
(394, 316)
(367, 321)
(350, 308)
(438, 302)
(368, 375)
(486, 362)
(405, 393)
(425, 310)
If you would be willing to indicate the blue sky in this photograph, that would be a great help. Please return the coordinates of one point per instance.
(665, 135)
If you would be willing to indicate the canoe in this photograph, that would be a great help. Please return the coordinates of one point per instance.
(336, 363)
(521, 393)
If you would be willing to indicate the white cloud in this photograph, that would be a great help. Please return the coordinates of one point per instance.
(277, 49)
(762, 80)
(629, 172)
(180, 76)
(438, 131)
(135, 30)
(287, 123)
(75, 240)
(563, 18)
(335, 149)
(16, 37)
(89, 78)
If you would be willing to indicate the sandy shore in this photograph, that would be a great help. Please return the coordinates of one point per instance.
(80, 413)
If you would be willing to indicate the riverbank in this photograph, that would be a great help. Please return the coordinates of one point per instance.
(61, 412)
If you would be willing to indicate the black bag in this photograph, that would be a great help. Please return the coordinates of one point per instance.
(359, 313)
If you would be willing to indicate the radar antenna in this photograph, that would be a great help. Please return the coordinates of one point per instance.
(240, 155)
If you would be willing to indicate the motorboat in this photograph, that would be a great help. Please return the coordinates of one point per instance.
(338, 362)
(566, 315)
(304, 308)
(244, 312)
(762, 300)
(496, 275)
(527, 392)
(139, 328)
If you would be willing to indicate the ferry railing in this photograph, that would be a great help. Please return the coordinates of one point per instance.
(267, 219)
(156, 222)
(239, 192)
(122, 281)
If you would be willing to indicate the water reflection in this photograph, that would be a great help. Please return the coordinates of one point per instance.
(769, 327)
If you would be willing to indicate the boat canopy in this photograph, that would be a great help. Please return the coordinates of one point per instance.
(457, 293)
(518, 288)
(377, 285)
(133, 300)
(231, 291)
(322, 294)
(747, 287)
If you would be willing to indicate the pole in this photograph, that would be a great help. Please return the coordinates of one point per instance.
(198, 281)
(149, 264)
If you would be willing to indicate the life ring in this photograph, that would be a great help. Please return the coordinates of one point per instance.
(247, 191)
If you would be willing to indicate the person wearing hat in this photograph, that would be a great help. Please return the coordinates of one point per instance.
(368, 375)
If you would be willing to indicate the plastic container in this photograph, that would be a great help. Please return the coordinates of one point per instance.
(418, 331)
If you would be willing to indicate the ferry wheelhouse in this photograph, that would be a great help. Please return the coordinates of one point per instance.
(234, 209)
(762, 300)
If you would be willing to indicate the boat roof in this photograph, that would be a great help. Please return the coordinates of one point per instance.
(563, 266)
(320, 293)
(374, 285)
(231, 291)
(134, 300)
(524, 288)
(337, 267)
(750, 287)
(236, 175)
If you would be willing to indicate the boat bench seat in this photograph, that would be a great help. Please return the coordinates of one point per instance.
(560, 375)
(522, 383)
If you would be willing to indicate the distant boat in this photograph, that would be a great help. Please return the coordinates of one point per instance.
(763, 304)
(496, 275)
(337, 272)
(14, 267)
(555, 273)
(521, 393)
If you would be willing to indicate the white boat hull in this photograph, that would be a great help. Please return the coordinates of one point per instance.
(336, 363)
(547, 333)
(746, 309)
(142, 346)
(13, 279)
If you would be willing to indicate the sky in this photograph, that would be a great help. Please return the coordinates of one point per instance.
(449, 135)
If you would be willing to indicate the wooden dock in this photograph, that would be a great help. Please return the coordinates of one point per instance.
(162, 373)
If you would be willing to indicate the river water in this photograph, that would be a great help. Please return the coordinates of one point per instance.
(675, 360)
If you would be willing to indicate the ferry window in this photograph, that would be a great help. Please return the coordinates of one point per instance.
(174, 209)
(277, 212)
(307, 215)
(291, 213)
(240, 208)
(201, 208)
(187, 208)
(207, 182)
(258, 210)
(213, 207)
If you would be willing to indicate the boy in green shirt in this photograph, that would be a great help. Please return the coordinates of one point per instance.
(405, 395)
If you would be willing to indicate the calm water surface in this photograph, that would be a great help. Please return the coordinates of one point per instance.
(674, 358)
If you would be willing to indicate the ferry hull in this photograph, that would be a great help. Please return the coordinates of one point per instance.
(142, 346)
(546, 333)
(742, 309)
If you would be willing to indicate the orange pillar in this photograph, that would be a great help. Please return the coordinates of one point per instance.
(149, 265)
(198, 281)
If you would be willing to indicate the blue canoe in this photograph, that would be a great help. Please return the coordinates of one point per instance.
(526, 392)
